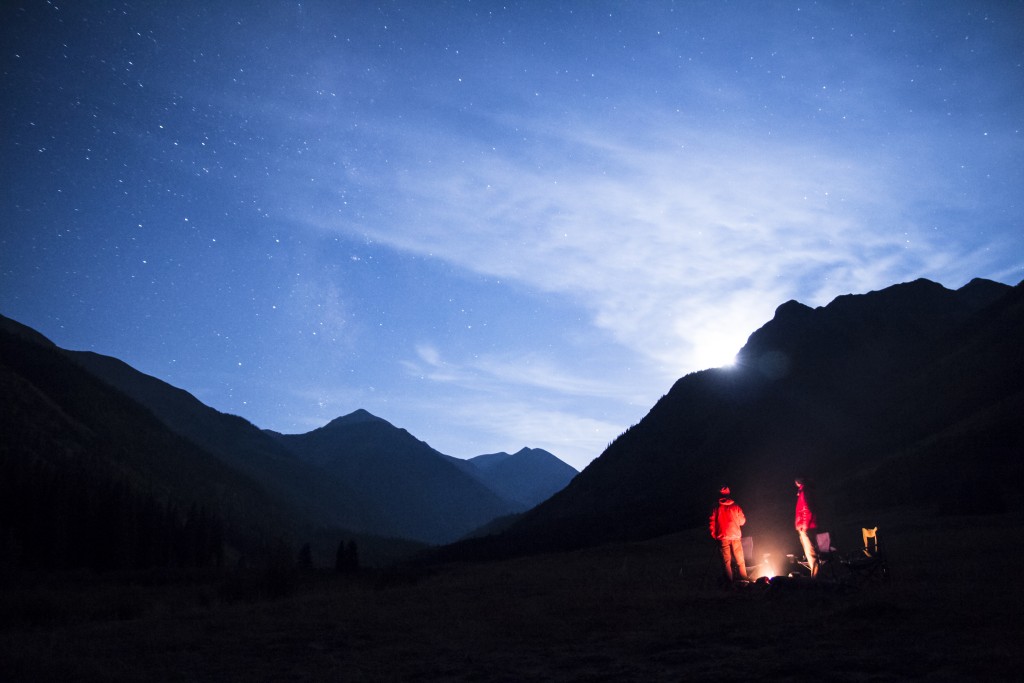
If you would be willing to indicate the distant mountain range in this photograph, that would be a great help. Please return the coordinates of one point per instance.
(909, 397)
(528, 477)
(357, 477)
(420, 493)
(912, 396)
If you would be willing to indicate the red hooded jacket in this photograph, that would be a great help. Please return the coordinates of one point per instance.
(804, 515)
(726, 520)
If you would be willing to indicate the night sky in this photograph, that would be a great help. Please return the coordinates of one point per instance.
(493, 224)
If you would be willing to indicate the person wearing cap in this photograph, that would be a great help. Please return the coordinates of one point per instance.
(806, 523)
(726, 521)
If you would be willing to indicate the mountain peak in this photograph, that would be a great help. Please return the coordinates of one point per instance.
(524, 454)
(533, 453)
(356, 417)
(792, 309)
(528, 476)
(982, 292)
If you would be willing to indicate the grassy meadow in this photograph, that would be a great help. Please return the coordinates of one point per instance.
(648, 611)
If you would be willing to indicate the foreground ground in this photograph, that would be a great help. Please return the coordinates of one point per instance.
(644, 611)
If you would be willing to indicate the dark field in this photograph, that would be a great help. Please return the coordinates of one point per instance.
(643, 611)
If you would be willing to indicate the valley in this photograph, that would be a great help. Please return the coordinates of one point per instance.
(632, 611)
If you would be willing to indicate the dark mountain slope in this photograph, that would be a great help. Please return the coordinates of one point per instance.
(89, 478)
(906, 396)
(318, 497)
(963, 415)
(349, 492)
(421, 493)
(358, 478)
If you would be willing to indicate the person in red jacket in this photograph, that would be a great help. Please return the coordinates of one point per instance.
(726, 521)
(806, 523)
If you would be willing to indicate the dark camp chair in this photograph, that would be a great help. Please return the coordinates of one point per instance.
(823, 541)
(758, 567)
(748, 553)
(755, 569)
(870, 564)
(826, 555)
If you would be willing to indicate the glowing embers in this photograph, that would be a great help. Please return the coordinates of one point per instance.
(767, 568)
(764, 571)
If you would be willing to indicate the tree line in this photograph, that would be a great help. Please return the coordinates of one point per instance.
(71, 518)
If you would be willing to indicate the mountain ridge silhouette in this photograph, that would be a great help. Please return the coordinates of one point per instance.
(361, 479)
(906, 396)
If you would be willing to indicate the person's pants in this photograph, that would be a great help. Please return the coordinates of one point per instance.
(810, 552)
(732, 551)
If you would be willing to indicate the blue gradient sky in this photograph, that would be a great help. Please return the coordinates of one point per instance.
(493, 224)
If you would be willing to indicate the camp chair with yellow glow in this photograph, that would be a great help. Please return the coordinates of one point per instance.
(870, 565)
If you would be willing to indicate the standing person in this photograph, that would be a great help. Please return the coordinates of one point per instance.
(806, 523)
(726, 521)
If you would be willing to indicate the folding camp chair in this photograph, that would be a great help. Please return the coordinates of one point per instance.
(758, 567)
(748, 555)
(870, 565)
(870, 537)
(826, 555)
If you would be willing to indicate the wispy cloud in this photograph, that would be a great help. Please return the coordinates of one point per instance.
(674, 235)
(575, 438)
(522, 399)
(522, 370)
(678, 244)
